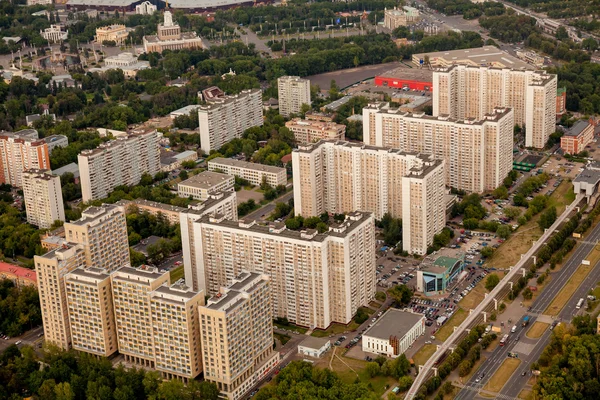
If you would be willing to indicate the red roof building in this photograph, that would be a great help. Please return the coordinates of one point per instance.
(19, 275)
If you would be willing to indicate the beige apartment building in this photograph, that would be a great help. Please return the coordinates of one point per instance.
(316, 278)
(306, 131)
(21, 151)
(132, 289)
(237, 335)
(293, 91)
(201, 186)
(252, 172)
(340, 177)
(467, 92)
(51, 269)
(171, 213)
(43, 199)
(176, 331)
(478, 153)
(116, 33)
(91, 312)
(393, 18)
(103, 233)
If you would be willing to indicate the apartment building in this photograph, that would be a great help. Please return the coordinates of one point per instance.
(51, 269)
(224, 203)
(316, 278)
(478, 153)
(306, 131)
(237, 335)
(132, 289)
(396, 17)
(201, 186)
(112, 33)
(18, 275)
(293, 92)
(91, 312)
(102, 231)
(171, 213)
(225, 119)
(176, 331)
(467, 92)
(43, 198)
(20, 151)
(252, 172)
(577, 138)
(340, 177)
(122, 161)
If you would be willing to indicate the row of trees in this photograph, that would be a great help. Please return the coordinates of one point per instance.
(19, 308)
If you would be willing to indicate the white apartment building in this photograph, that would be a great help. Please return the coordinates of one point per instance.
(202, 185)
(20, 151)
(316, 278)
(339, 177)
(293, 92)
(310, 131)
(467, 92)
(54, 34)
(43, 199)
(252, 172)
(122, 161)
(393, 333)
(145, 8)
(237, 335)
(227, 118)
(478, 153)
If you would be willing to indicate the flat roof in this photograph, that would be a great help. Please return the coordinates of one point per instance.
(206, 180)
(591, 176)
(196, 4)
(577, 128)
(185, 110)
(21, 272)
(479, 55)
(394, 323)
(413, 74)
(446, 262)
(72, 168)
(245, 164)
(314, 342)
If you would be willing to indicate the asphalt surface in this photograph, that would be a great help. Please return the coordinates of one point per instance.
(269, 208)
(516, 383)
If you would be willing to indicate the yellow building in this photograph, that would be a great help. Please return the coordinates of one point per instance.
(113, 33)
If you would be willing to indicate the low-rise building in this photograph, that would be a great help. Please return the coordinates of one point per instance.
(253, 172)
(55, 141)
(393, 333)
(575, 139)
(112, 33)
(170, 160)
(437, 272)
(170, 37)
(393, 18)
(126, 62)
(54, 34)
(19, 275)
(200, 186)
(531, 57)
(171, 213)
(314, 347)
(306, 131)
(187, 110)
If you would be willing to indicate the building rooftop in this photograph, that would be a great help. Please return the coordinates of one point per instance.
(413, 74)
(245, 164)
(206, 180)
(72, 168)
(590, 176)
(480, 56)
(92, 215)
(148, 203)
(394, 323)
(101, 3)
(119, 141)
(176, 293)
(43, 174)
(24, 273)
(312, 342)
(335, 105)
(94, 273)
(185, 110)
(217, 103)
(577, 128)
(233, 295)
(143, 273)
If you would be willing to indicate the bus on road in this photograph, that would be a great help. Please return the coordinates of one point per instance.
(503, 340)
(579, 304)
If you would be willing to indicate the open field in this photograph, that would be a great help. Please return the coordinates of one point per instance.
(537, 330)
(502, 375)
(291, 327)
(424, 353)
(459, 316)
(525, 394)
(335, 329)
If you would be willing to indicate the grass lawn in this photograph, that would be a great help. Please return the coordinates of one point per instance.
(459, 316)
(335, 329)
(281, 337)
(380, 296)
(375, 305)
(502, 375)
(291, 327)
(424, 353)
(525, 394)
(537, 330)
(477, 295)
(177, 273)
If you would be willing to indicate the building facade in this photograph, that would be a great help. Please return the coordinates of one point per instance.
(113, 33)
(340, 177)
(227, 118)
(577, 138)
(43, 199)
(171, 213)
(170, 37)
(465, 92)
(393, 18)
(478, 153)
(122, 161)
(145, 8)
(54, 34)
(126, 62)
(561, 101)
(237, 335)
(21, 151)
(202, 185)
(393, 333)
(293, 92)
(306, 131)
(316, 278)
(252, 172)
(18, 275)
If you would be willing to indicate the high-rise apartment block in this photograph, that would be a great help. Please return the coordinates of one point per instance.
(293, 92)
(225, 119)
(237, 335)
(43, 198)
(102, 231)
(119, 162)
(91, 313)
(478, 153)
(310, 131)
(51, 269)
(176, 331)
(131, 298)
(340, 177)
(467, 92)
(20, 151)
(316, 278)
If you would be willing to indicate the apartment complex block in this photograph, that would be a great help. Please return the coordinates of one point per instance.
(227, 118)
(293, 91)
(43, 198)
(340, 177)
(119, 162)
(575, 139)
(91, 313)
(252, 172)
(20, 151)
(200, 186)
(466, 92)
(306, 131)
(478, 153)
(237, 335)
(316, 278)
(171, 213)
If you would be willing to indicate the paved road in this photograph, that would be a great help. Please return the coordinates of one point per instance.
(269, 208)
(536, 346)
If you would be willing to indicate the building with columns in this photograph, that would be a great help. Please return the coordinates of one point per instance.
(113, 33)
(54, 34)
(170, 37)
(146, 8)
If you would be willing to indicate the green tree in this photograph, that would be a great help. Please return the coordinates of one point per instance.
(501, 192)
(491, 281)
(372, 369)
(402, 294)
(527, 294)
(487, 252)
(503, 231)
